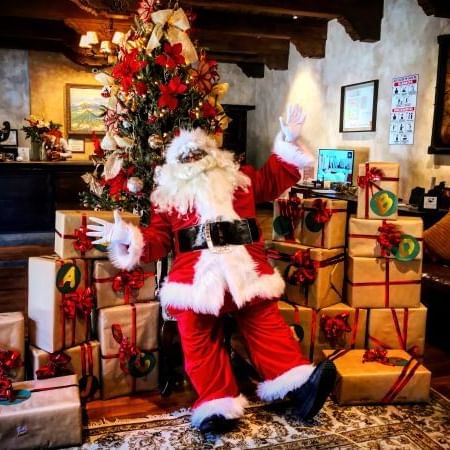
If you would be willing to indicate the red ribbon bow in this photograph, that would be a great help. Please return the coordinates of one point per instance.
(82, 242)
(126, 349)
(9, 359)
(305, 270)
(388, 238)
(6, 390)
(321, 214)
(372, 175)
(125, 281)
(56, 366)
(335, 327)
(81, 300)
(375, 355)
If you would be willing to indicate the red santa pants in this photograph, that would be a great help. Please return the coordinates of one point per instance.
(271, 346)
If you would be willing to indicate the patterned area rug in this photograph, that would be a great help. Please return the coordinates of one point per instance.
(420, 427)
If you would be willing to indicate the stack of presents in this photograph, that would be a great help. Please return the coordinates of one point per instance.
(93, 333)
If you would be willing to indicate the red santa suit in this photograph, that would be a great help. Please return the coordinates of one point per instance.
(204, 284)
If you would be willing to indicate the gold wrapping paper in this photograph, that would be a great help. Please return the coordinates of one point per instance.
(49, 418)
(114, 381)
(68, 221)
(326, 289)
(398, 328)
(367, 285)
(283, 207)
(391, 171)
(88, 379)
(103, 274)
(49, 326)
(363, 233)
(12, 337)
(332, 235)
(361, 383)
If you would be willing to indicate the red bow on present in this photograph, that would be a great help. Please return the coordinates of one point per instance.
(56, 366)
(82, 242)
(81, 300)
(6, 390)
(321, 214)
(9, 359)
(305, 270)
(125, 281)
(372, 175)
(335, 327)
(126, 349)
(388, 238)
(376, 355)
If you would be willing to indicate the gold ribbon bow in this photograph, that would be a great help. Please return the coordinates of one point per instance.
(214, 97)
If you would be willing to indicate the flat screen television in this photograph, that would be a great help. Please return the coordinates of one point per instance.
(335, 165)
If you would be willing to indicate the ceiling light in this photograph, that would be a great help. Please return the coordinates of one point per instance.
(295, 17)
(84, 42)
(92, 37)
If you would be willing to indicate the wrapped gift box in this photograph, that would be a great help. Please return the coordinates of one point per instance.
(114, 287)
(378, 190)
(365, 236)
(12, 340)
(59, 302)
(383, 282)
(120, 329)
(361, 383)
(286, 218)
(324, 222)
(70, 233)
(398, 328)
(46, 413)
(314, 277)
(82, 360)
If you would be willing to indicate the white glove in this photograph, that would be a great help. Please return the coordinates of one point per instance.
(118, 232)
(295, 118)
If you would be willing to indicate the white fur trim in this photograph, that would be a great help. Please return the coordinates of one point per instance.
(127, 257)
(229, 407)
(278, 387)
(293, 154)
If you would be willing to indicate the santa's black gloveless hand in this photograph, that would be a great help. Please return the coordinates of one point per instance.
(107, 232)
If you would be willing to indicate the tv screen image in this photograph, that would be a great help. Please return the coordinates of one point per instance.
(335, 165)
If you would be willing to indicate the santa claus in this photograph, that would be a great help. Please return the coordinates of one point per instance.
(204, 209)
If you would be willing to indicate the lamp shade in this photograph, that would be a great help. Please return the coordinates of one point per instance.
(92, 37)
(118, 37)
(105, 47)
(84, 42)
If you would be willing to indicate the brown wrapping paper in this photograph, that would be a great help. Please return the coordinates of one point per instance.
(51, 417)
(361, 383)
(332, 235)
(84, 363)
(12, 338)
(67, 223)
(363, 233)
(114, 381)
(383, 283)
(291, 210)
(389, 182)
(398, 328)
(326, 289)
(51, 329)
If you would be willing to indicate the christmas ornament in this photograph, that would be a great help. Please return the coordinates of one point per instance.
(135, 185)
(156, 142)
(113, 166)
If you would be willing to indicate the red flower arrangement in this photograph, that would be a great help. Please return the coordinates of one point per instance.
(208, 110)
(171, 56)
(169, 92)
(125, 70)
(205, 75)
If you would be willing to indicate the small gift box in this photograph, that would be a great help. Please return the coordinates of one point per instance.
(71, 240)
(378, 190)
(398, 328)
(114, 287)
(400, 239)
(323, 222)
(40, 414)
(12, 345)
(377, 376)
(82, 360)
(314, 276)
(60, 302)
(286, 218)
(383, 282)
(128, 337)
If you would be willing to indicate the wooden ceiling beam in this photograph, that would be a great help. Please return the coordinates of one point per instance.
(437, 8)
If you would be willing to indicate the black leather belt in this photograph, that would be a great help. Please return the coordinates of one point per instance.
(218, 234)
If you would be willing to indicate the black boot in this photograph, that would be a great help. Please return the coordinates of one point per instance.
(216, 424)
(310, 397)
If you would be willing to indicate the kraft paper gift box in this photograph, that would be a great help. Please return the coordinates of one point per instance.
(365, 235)
(82, 360)
(324, 222)
(71, 240)
(286, 218)
(114, 287)
(59, 302)
(398, 328)
(361, 383)
(323, 270)
(378, 190)
(46, 414)
(12, 340)
(120, 329)
(383, 282)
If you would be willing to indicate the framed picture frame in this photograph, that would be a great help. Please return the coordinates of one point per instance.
(13, 139)
(83, 109)
(358, 107)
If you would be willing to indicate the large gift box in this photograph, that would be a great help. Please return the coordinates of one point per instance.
(82, 360)
(314, 276)
(286, 218)
(44, 414)
(398, 328)
(400, 239)
(114, 287)
(71, 240)
(323, 223)
(371, 376)
(383, 282)
(128, 337)
(60, 301)
(12, 345)
(378, 190)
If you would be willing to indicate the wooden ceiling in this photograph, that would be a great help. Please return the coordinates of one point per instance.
(249, 33)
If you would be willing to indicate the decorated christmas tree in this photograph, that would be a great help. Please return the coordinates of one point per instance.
(161, 83)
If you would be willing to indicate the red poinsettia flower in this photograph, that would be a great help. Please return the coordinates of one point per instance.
(141, 87)
(127, 68)
(205, 75)
(171, 56)
(208, 111)
(97, 146)
(145, 9)
(169, 92)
